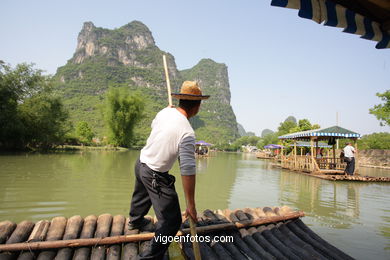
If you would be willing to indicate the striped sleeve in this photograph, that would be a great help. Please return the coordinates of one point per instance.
(187, 156)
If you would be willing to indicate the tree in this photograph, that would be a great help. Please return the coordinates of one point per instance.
(45, 121)
(266, 132)
(30, 114)
(375, 141)
(122, 111)
(84, 132)
(382, 111)
(285, 127)
(291, 119)
(304, 125)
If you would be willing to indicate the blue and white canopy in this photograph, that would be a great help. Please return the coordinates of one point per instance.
(307, 144)
(323, 133)
(332, 14)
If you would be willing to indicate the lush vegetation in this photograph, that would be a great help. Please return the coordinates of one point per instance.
(382, 111)
(31, 116)
(84, 133)
(268, 136)
(121, 112)
(375, 141)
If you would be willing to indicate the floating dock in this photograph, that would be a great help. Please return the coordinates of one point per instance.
(258, 233)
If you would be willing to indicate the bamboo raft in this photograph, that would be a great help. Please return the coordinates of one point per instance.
(258, 233)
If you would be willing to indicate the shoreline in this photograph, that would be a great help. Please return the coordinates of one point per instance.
(376, 166)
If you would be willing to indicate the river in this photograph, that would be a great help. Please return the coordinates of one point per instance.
(352, 216)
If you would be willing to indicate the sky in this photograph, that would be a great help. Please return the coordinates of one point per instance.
(278, 64)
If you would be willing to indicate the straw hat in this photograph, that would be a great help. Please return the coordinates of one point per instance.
(190, 91)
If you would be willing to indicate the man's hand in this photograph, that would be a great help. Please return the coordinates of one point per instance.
(191, 212)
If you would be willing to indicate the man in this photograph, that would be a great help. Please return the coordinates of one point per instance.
(349, 158)
(172, 137)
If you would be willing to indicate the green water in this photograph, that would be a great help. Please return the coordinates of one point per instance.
(352, 216)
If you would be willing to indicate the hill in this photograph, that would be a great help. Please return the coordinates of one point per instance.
(128, 57)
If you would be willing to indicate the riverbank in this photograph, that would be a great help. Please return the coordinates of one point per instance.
(92, 148)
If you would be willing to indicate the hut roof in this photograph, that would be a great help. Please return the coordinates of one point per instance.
(203, 143)
(368, 18)
(307, 144)
(323, 133)
(273, 146)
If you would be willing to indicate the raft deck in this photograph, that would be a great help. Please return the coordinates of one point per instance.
(258, 233)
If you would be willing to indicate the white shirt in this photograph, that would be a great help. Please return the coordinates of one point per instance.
(349, 151)
(171, 136)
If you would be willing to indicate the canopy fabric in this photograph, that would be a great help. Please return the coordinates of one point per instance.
(203, 143)
(334, 131)
(307, 144)
(368, 18)
(273, 146)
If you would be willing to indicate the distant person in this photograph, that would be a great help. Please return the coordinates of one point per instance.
(320, 153)
(349, 158)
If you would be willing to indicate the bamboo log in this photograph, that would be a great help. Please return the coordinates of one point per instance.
(267, 245)
(72, 231)
(102, 230)
(40, 231)
(269, 212)
(20, 234)
(88, 231)
(242, 246)
(287, 232)
(220, 251)
(114, 251)
(277, 243)
(249, 240)
(330, 247)
(146, 244)
(230, 246)
(299, 251)
(142, 237)
(55, 233)
(6, 229)
(38, 234)
(130, 250)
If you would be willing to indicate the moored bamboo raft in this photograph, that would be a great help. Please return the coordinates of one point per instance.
(258, 233)
(352, 178)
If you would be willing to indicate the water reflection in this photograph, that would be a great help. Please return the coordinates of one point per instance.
(337, 204)
(354, 216)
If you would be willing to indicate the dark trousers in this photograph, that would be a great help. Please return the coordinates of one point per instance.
(158, 190)
(350, 165)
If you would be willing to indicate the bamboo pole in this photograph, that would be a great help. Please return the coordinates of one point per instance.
(142, 237)
(167, 79)
(295, 154)
(311, 155)
(356, 158)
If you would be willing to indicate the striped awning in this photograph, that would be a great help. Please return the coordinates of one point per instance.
(330, 13)
(334, 131)
(307, 144)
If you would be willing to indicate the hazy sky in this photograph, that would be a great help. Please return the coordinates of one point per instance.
(279, 64)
